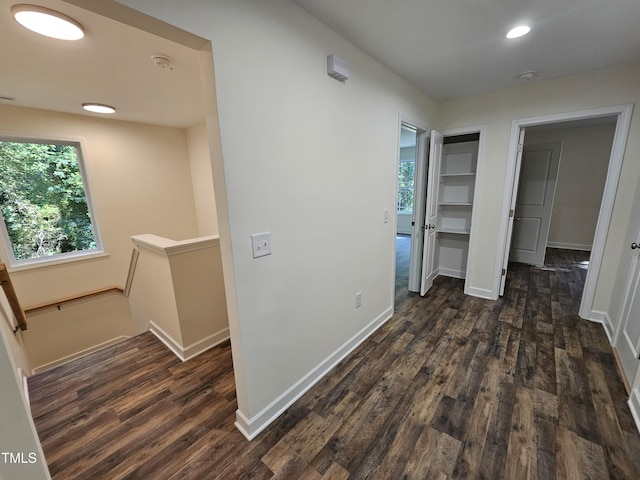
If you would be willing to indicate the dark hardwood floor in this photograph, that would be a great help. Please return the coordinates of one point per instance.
(452, 387)
(403, 256)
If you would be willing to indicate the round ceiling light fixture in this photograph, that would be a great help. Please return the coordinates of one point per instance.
(519, 31)
(47, 22)
(98, 108)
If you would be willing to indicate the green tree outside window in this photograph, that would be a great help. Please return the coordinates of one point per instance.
(43, 201)
(406, 177)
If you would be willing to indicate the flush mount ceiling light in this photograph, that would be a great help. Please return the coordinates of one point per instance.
(47, 22)
(98, 108)
(519, 31)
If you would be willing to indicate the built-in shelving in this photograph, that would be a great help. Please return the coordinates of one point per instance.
(455, 206)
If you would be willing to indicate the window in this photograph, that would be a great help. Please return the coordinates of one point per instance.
(407, 168)
(45, 208)
(406, 176)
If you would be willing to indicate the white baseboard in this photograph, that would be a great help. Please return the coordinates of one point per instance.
(193, 350)
(82, 353)
(569, 246)
(449, 272)
(603, 318)
(251, 427)
(634, 405)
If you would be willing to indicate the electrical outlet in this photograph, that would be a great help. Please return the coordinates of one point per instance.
(261, 243)
(358, 299)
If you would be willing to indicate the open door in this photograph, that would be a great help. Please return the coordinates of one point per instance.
(627, 342)
(536, 191)
(431, 215)
(512, 208)
(417, 223)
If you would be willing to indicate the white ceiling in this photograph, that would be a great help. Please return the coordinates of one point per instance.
(456, 48)
(111, 64)
(446, 48)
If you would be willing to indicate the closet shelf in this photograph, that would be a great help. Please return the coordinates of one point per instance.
(456, 204)
(453, 231)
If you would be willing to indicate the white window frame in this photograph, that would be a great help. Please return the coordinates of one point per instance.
(6, 247)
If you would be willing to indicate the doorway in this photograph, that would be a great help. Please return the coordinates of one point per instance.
(410, 204)
(535, 201)
(618, 118)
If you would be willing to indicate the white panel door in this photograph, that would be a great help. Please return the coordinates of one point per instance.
(627, 342)
(538, 177)
(512, 206)
(431, 216)
(417, 224)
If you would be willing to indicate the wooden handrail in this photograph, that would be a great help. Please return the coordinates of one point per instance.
(58, 303)
(132, 270)
(10, 293)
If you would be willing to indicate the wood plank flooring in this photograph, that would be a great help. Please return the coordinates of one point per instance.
(452, 387)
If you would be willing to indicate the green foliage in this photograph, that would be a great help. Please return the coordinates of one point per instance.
(406, 178)
(42, 200)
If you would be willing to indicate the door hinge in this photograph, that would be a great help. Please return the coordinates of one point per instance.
(511, 212)
(504, 271)
(520, 147)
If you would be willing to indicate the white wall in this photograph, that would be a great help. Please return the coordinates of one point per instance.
(57, 335)
(581, 177)
(202, 180)
(14, 342)
(17, 431)
(313, 161)
(614, 86)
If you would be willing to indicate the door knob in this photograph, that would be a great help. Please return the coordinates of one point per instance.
(634, 245)
(516, 219)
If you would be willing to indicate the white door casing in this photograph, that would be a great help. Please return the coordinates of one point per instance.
(429, 270)
(536, 190)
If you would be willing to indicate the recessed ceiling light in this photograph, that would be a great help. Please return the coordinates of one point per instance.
(47, 22)
(519, 31)
(98, 108)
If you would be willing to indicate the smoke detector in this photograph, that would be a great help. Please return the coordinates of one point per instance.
(528, 75)
(162, 61)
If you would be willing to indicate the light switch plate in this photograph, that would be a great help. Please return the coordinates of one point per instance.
(261, 243)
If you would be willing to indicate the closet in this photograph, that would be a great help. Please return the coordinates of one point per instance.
(455, 197)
